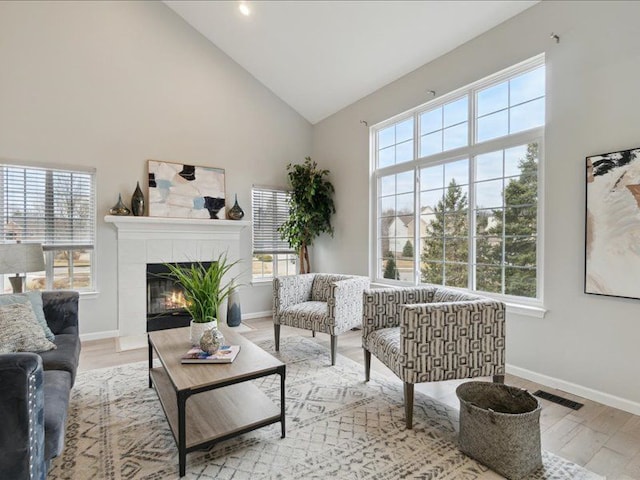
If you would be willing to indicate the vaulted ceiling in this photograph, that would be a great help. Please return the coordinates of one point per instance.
(320, 56)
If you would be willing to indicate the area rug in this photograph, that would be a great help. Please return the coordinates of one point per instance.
(337, 427)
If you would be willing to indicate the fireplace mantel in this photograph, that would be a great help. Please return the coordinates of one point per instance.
(143, 240)
(132, 225)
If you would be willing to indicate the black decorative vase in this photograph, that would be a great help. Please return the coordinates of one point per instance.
(235, 212)
(137, 202)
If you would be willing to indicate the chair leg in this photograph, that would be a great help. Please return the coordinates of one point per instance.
(498, 379)
(313, 333)
(334, 345)
(367, 365)
(276, 332)
(408, 404)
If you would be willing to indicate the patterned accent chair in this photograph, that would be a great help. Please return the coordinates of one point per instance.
(319, 302)
(431, 334)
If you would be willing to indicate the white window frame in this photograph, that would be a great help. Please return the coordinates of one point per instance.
(537, 134)
(49, 244)
(278, 254)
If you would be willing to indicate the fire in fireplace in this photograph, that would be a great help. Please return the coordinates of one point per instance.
(165, 299)
(174, 300)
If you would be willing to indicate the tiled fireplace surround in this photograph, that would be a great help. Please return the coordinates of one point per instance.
(143, 240)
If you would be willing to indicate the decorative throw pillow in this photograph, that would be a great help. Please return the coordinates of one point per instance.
(20, 331)
(35, 300)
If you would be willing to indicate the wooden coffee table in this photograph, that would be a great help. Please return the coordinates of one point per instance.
(223, 403)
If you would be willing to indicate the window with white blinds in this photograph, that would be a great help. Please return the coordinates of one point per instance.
(56, 208)
(272, 256)
(270, 210)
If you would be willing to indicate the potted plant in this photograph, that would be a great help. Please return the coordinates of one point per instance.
(204, 289)
(310, 208)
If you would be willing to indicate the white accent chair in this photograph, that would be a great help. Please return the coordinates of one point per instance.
(320, 302)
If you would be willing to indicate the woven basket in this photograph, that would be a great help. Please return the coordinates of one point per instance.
(500, 427)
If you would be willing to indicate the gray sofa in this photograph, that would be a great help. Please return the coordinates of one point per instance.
(35, 394)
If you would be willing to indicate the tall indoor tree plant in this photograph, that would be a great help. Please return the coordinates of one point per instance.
(310, 209)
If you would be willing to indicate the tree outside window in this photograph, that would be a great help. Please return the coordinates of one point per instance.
(446, 248)
(506, 240)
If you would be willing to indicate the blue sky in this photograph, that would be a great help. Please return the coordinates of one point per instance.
(508, 107)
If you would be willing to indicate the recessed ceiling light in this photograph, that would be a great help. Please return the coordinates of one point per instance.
(244, 8)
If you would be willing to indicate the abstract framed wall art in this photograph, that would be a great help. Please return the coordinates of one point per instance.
(185, 191)
(612, 243)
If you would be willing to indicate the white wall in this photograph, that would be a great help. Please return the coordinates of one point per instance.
(586, 344)
(113, 84)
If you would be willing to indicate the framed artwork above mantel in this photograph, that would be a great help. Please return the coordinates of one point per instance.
(612, 232)
(181, 190)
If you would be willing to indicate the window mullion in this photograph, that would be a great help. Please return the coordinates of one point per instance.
(49, 210)
(471, 283)
(504, 229)
(539, 222)
(416, 226)
(24, 202)
(416, 200)
(471, 134)
(508, 107)
(3, 199)
(49, 257)
(71, 210)
(442, 128)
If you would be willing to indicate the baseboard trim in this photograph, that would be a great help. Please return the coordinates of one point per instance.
(132, 342)
(98, 335)
(584, 392)
(250, 316)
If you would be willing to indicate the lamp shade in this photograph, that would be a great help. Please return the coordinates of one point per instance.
(21, 258)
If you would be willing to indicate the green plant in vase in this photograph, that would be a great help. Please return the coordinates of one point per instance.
(204, 289)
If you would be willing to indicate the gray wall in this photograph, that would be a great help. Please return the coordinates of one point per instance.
(585, 344)
(112, 84)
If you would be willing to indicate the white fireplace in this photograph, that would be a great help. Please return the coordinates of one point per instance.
(143, 240)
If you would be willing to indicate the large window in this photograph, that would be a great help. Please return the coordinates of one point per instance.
(272, 256)
(462, 208)
(56, 208)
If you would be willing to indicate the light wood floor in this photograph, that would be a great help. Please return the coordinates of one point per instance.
(603, 439)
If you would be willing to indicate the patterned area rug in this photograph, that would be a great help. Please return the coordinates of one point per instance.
(337, 427)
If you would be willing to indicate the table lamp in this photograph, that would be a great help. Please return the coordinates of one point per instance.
(20, 258)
